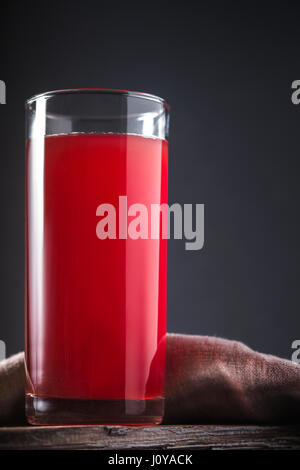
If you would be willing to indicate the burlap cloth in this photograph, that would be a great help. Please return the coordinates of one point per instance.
(208, 380)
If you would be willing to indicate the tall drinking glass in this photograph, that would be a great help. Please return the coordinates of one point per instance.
(96, 165)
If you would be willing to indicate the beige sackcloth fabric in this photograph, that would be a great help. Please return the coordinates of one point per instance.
(208, 380)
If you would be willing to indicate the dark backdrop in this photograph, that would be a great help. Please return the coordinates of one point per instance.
(226, 70)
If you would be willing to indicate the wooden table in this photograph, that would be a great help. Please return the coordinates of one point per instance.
(207, 437)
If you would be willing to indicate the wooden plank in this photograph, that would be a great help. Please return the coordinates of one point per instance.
(157, 437)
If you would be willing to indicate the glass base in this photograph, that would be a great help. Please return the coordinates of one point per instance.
(62, 411)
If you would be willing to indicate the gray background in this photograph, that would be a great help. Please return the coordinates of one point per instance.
(226, 70)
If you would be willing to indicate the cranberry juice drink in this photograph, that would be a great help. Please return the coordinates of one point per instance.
(95, 305)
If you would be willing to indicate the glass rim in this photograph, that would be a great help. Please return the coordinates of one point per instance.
(100, 91)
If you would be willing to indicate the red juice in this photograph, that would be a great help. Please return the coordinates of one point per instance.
(95, 309)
